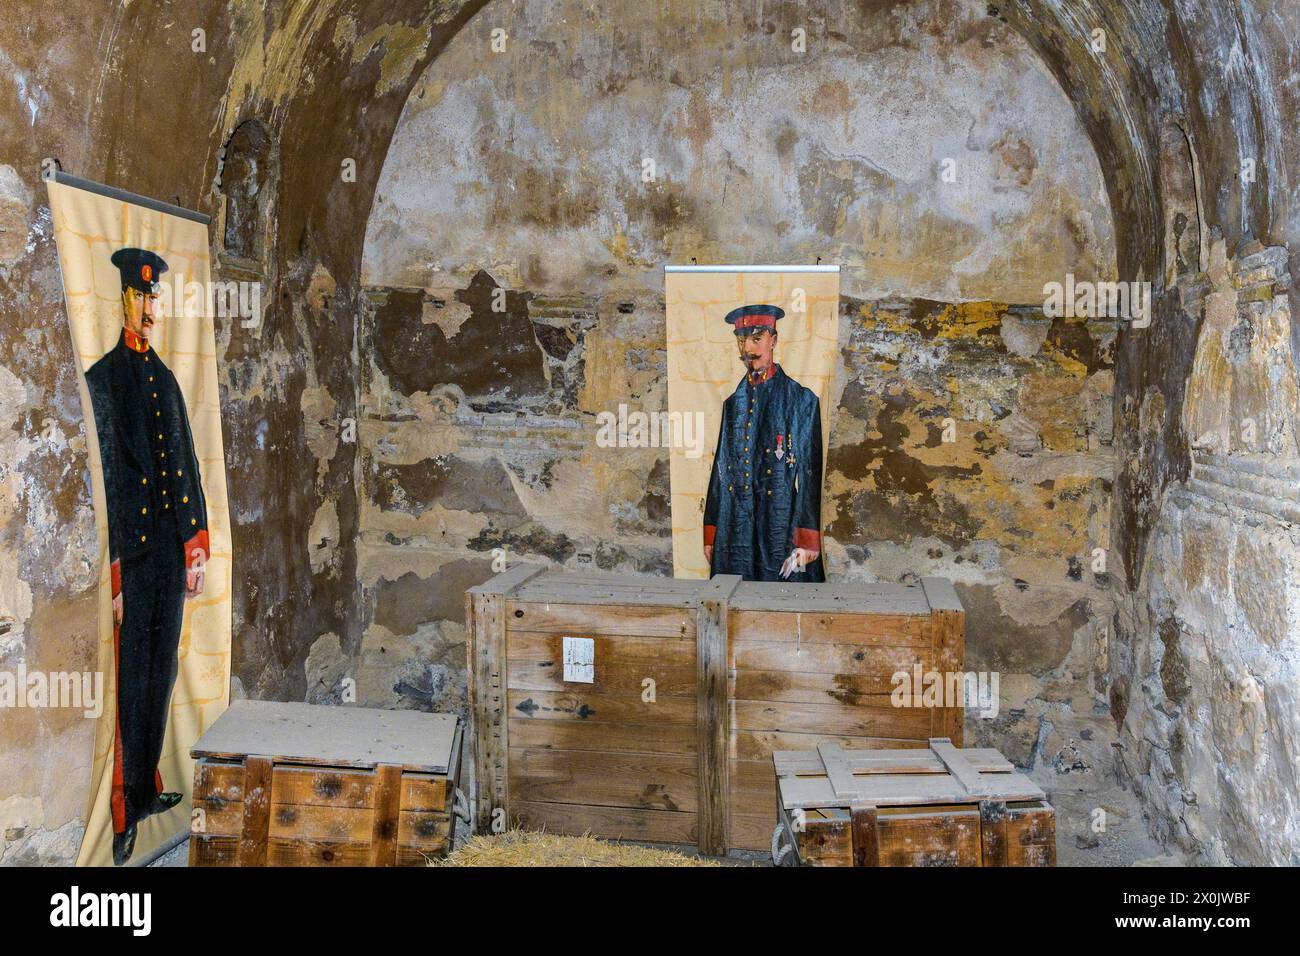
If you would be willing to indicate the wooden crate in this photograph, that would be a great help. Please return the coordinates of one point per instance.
(301, 785)
(739, 669)
(937, 807)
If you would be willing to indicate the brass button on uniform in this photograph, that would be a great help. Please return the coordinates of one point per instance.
(142, 539)
(144, 511)
(144, 481)
(185, 500)
(194, 521)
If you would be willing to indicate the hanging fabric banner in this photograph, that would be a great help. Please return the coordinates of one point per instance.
(752, 355)
(138, 290)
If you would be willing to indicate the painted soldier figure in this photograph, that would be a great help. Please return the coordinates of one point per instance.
(157, 538)
(762, 516)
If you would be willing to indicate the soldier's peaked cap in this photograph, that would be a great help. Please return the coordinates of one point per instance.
(754, 317)
(140, 268)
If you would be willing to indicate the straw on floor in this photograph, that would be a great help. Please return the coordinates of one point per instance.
(529, 848)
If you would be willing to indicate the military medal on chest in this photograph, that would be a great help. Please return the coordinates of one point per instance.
(780, 447)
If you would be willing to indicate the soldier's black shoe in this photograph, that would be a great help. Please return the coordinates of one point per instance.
(161, 803)
(123, 846)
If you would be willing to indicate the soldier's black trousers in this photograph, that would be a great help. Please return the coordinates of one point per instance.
(153, 606)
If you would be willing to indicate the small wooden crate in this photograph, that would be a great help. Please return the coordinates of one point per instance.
(937, 807)
(280, 784)
(738, 670)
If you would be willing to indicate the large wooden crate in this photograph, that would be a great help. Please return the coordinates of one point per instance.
(739, 669)
(301, 785)
(938, 807)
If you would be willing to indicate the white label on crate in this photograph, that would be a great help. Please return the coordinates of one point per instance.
(580, 660)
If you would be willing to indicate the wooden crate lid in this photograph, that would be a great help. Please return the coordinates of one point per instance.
(530, 583)
(332, 736)
(833, 777)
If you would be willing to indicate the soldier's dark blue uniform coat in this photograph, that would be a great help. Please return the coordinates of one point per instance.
(764, 495)
(157, 527)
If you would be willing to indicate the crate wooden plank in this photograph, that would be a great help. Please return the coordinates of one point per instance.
(957, 764)
(790, 763)
(256, 822)
(610, 823)
(848, 598)
(948, 629)
(214, 850)
(833, 719)
(626, 680)
(583, 735)
(793, 687)
(626, 650)
(299, 852)
(633, 619)
(330, 736)
(762, 744)
(904, 789)
(810, 627)
(878, 661)
(599, 708)
(713, 715)
(640, 781)
(388, 801)
(217, 817)
(950, 838)
(837, 770)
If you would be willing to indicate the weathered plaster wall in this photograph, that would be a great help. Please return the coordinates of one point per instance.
(539, 153)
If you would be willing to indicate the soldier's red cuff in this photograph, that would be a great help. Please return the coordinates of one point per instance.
(807, 539)
(197, 543)
(116, 567)
(710, 532)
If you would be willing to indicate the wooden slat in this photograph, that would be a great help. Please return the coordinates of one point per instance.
(639, 781)
(878, 662)
(713, 714)
(610, 823)
(762, 744)
(866, 838)
(214, 850)
(944, 836)
(485, 617)
(625, 650)
(631, 619)
(609, 678)
(848, 598)
(959, 766)
(832, 720)
(993, 833)
(837, 770)
(894, 630)
(941, 595)
(904, 789)
(323, 853)
(598, 708)
(388, 803)
(948, 631)
(256, 823)
(796, 688)
(790, 763)
(583, 735)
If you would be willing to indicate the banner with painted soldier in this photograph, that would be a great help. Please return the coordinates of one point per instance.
(752, 355)
(137, 286)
